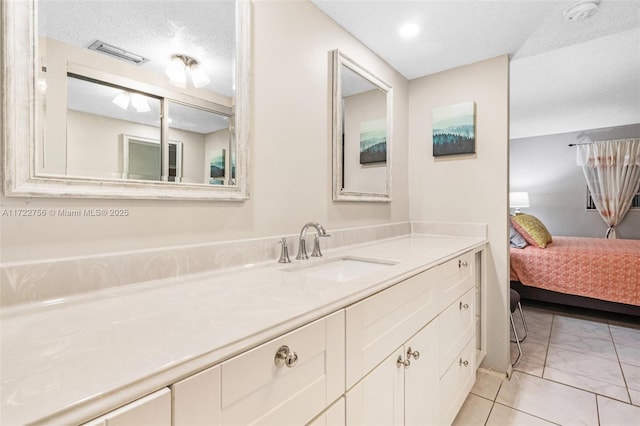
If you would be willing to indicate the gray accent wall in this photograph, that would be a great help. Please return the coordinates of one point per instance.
(545, 167)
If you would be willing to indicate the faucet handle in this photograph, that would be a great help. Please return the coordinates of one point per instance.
(316, 245)
(284, 254)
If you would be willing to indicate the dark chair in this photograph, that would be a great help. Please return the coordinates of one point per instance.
(515, 303)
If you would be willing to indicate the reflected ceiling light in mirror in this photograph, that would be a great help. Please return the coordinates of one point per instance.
(122, 100)
(180, 66)
(409, 30)
(137, 101)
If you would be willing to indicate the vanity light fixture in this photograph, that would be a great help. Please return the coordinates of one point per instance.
(137, 101)
(178, 68)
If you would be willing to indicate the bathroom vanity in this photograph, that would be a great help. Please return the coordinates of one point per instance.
(389, 332)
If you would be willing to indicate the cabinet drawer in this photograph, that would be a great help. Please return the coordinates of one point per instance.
(196, 399)
(456, 277)
(257, 391)
(380, 324)
(152, 410)
(457, 324)
(457, 382)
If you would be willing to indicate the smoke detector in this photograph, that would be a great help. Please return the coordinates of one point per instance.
(581, 10)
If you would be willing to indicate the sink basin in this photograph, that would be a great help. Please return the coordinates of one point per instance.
(341, 268)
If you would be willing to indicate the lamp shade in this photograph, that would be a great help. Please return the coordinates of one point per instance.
(198, 77)
(518, 199)
(177, 72)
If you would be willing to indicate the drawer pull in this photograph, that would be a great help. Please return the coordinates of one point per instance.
(465, 363)
(414, 354)
(406, 363)
(462, 263)
(284, 356)
(465, 306)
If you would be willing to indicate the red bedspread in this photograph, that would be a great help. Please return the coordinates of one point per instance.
(592, 267)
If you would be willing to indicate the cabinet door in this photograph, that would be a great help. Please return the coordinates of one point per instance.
(379, 398)
(196, 399)
(421, 403)
(383, 322)
(257, 391)
(332, 416)
(152, 410)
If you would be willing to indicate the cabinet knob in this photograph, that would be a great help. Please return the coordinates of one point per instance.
(284, 356)
(465, 363)
(464, 306)
(411, 353)
(462, 263)
(406, 363)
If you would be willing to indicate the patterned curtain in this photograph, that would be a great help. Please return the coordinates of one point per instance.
(612, 171)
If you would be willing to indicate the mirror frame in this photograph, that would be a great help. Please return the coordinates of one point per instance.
(20, 121)
(339, 194)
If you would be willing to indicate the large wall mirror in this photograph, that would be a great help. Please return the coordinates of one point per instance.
(126, 99)
(362, 117)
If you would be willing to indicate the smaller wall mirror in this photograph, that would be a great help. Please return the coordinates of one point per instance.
(362, 117)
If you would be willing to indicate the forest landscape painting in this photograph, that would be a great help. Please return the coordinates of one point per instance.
(373, 141)
(454, 129)
(217, 169)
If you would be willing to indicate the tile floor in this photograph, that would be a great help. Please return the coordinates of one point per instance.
(579, 368)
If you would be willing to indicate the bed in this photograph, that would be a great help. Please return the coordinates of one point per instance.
(595, 273)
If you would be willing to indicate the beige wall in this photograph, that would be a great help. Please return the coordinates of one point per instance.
(290, 161)
(468, 188)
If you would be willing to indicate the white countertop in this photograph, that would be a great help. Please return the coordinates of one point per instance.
(67, 361)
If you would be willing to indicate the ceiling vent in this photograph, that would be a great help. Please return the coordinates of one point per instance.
(118, 53)
(581, 10)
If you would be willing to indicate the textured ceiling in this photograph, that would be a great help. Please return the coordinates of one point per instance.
(155, 29)
(455, 33)
(565, 76)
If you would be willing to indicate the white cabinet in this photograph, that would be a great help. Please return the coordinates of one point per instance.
(379, 324)
(433, 313)
(457, 327)
(403, 389)
(456, 383)
(151, 410)
(288, 380)
(457, 334)
(379, 398)
(403, 356)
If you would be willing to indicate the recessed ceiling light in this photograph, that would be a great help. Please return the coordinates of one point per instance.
(581, 10)
(409, 30)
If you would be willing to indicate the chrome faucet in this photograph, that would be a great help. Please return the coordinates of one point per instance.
(302, 244)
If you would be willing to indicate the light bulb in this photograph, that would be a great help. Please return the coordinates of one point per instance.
(198, 76)
(176, 71)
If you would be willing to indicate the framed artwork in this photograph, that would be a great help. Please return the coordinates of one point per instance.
(373, 141)
(216, 162)
(454, 130)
